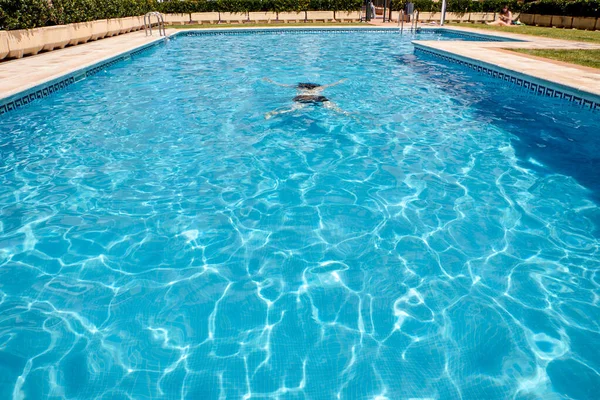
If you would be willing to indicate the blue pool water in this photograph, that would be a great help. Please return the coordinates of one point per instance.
(161, 239)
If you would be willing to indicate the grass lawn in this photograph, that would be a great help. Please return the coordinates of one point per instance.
(589, 58)
(272, 25)
(554, 33)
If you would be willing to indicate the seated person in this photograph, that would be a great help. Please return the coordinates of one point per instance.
(504, 19)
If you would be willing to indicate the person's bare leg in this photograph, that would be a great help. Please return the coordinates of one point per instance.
(334, 107)
(294, 107)
(498, 23)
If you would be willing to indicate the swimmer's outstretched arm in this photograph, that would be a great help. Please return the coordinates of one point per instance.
(334, 84)
(278, 84)
(295, 107)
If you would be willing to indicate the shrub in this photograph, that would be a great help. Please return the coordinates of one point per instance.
(302, 5)
(191, 6)
(345, 5)
(459, 6)
(553, 7)
(575, 8)
(243, 6)
(421, 5)
(234, 6)
(582, 8)
(71, 11)
(24, 14)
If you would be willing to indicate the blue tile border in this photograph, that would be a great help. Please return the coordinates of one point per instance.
(227, 32)
(46, 89)
(103, 66)
(536, 86)
(234, 32)
(37, 94)
(482, 36)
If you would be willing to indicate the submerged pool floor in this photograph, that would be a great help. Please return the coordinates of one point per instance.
(432, 233)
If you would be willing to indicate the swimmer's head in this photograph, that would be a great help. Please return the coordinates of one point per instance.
(309, 86)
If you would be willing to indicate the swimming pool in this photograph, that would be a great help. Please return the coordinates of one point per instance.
(436, 237)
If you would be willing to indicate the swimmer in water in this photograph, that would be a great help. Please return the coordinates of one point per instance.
(308, 93)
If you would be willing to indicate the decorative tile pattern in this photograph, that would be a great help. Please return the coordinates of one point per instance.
(38, 93)
(280, 31)
(483, 38)
(144, 49)
(341, 30)
(536, 88)
(95, 70)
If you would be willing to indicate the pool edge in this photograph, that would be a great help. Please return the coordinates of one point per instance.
(21, 98)
(15, 100)
(536, 85)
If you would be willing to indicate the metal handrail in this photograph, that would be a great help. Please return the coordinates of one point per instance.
(414, 21)
(401, 20)
(160, 20)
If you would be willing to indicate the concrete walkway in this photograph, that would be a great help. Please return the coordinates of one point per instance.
(575, 76)
(579, 77)
(19, 75)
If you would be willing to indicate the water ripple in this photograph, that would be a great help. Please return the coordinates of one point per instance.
(160, 239)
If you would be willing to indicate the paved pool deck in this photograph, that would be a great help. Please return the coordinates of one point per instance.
(25, 73)
(495, 53)
(22, 74)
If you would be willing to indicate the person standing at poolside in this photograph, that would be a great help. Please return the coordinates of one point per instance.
(504, 19)
(308, 93)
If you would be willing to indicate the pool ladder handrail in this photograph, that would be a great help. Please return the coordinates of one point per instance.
(401, 20)
(160, 20)
(413, 21)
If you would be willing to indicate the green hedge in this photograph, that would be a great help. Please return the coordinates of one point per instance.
(25, 14)
(70, 11)
(243, 6)
(460, 6)
(574, 8)
(15, 14)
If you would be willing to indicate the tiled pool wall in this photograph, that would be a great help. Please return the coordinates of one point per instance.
(446, 32)
(536, 86)
(45, 89)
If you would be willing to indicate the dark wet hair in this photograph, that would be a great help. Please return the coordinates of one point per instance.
(307, 85)
(307, 99)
